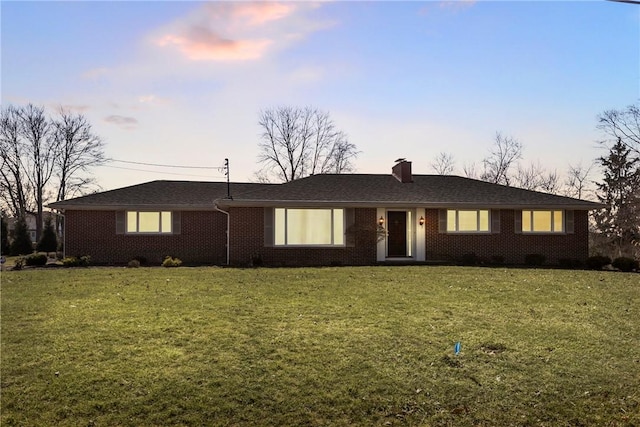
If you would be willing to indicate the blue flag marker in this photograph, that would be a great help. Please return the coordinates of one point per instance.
(456, 348)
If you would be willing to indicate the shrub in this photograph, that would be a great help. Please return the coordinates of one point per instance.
(21, 244)
(48, 241)
(35, 259)
(17, 265)
(141, 260)
(134, 263)
(570, 263)
(77, 261)
(4, 236)
(256, 261)
(596, 262)
(534, 259)
(625, 264)
(171, 262)
(469, 259)
(71, 261)
(497, 260)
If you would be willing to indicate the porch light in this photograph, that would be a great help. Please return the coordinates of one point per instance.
(421, 221)
(381, 221)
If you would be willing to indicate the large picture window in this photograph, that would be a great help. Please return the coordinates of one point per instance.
(468, 221)
(148, 222)
(542, 221)
(309, 227)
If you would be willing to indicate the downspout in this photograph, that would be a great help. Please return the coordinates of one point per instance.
(64, 232)
(215, 206)
(64, 235)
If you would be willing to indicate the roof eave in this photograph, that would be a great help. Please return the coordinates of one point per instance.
(133, 207)
(382, 203)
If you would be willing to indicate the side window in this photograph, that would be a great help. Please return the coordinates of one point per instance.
(543, 221)
(149, 222)
(468, 221)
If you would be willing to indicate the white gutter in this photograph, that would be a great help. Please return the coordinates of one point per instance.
(215, 206)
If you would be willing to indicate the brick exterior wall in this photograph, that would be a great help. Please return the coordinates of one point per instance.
(247, 243)
(203, 241)
(508, 244)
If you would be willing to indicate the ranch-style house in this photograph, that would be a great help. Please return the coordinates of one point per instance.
(329, 219)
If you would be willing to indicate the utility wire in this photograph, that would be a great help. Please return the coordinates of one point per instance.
(165, 166)
(164, 173)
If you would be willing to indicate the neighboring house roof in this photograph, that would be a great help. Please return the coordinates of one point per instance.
(30, 219)
(438, 191)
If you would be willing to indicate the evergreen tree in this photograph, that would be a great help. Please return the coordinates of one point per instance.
(4, 237)
(619, 221)
(21, 244)
(49, 241)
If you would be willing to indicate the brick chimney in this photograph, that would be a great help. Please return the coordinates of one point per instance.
(402, 171)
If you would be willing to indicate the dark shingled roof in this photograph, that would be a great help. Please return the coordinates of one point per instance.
(337, 190)
(385, 190)
(154, 194)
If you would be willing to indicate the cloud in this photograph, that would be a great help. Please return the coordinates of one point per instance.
(152, 100)
(122, 121)
(202, 44)
(237, 31)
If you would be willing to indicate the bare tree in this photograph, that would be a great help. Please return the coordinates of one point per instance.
(34, 150)
(13, 186)
(443, 164)
(576, 183)
(40, 152)
(497, 165)
(77, 148)
(470, 170)
(623, 125)
(550, 182)
(529, 177)
(535, 177)
(297, 142)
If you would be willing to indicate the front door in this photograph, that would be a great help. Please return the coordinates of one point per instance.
(397, 234)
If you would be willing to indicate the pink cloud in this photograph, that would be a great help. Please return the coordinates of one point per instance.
(236, 31)
(260, 13)
(202, 44)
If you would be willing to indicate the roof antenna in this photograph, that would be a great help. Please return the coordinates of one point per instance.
(226, 173)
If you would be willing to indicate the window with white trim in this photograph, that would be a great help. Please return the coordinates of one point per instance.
(148, 222)
(467, 221)
(542, 221)
(308, 227)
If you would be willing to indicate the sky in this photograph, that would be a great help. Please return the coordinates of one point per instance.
(183, 83)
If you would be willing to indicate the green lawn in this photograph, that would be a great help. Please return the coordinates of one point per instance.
(331, 346)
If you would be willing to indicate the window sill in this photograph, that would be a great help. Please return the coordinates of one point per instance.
(469, 232)
(149, 234)
(546, 233)
(309, 246)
